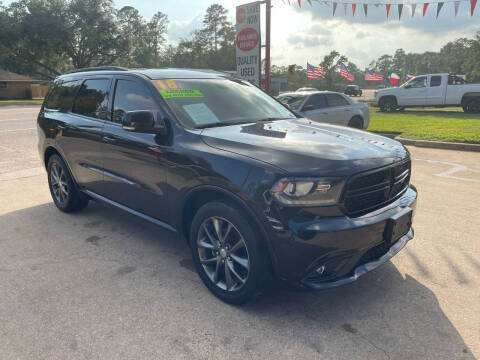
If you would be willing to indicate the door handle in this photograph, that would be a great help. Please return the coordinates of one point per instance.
(108, 139)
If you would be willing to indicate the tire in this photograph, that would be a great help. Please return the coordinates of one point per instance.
(472, 106)
(356, 122)
(63, 189)
(388, 105)
(249, 260)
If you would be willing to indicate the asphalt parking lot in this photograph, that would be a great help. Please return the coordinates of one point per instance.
(101, 284)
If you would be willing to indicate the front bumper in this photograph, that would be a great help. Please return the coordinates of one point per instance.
(345, 247)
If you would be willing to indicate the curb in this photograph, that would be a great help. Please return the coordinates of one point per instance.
(440, 144)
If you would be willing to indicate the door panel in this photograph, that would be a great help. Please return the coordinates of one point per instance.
(134, 171)
(319, 111)
(435, 91)
(80, 134)
(339, 109)
(414, 95)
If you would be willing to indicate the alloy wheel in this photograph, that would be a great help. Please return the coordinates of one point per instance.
(223, 253)
(59, 183)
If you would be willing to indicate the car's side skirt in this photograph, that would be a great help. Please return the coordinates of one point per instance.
(131, 211)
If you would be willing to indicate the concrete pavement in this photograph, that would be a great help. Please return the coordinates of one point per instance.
(102, 284)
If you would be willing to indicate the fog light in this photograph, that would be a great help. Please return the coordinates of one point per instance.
(320, 270)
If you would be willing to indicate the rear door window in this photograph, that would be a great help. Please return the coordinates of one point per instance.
(318, 101)
(62, 95)
(131, 96)
(92, 99)
(336, 100)
(435, 81)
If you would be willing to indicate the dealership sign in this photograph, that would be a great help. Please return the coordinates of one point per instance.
(248, 42)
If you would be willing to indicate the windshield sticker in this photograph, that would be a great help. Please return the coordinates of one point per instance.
(166, 84)
(181, 93)
(200, 114)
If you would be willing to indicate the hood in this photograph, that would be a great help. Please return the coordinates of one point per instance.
(301, 147)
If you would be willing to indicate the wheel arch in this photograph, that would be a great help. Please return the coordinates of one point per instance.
(468, 96)
(201, 195)
(49, 151)
(385, 97)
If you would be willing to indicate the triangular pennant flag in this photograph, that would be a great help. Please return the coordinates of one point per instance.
(439, 7)
(300, 3)
(473, 3)
(345, 9)
(400, 9)
(334, 8)
(365, 9)
(414, 6)
(456, 4)
(354, 6)
(387, 6)
(425, 6)
(310, 2)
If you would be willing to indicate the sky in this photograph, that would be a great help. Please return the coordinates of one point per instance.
(309, 33)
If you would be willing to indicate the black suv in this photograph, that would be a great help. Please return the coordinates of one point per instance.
(353, 90)
(255, 190)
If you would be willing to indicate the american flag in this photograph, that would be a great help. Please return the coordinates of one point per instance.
(345, 74)
(371, 76)
(314, 72)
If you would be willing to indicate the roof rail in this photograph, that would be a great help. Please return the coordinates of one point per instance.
(98, 68)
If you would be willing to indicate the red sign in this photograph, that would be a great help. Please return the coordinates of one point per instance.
(247, 39)
(240, 15)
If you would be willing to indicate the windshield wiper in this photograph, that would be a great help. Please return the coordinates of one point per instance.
(219, 124)
(273, 119)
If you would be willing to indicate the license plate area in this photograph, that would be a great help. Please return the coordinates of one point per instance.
(397, 226)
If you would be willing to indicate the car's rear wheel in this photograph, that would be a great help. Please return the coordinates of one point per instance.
(388, 105)
(472, 106)
(228, 252)
(64, 192)
(356, 122)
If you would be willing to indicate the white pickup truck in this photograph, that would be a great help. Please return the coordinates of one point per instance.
(433, 90)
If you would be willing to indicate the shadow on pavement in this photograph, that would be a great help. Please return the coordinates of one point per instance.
(384, 313)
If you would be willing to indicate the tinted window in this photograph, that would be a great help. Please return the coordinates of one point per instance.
(318, 101)
(61, 96)
(336, 100)
(418, 82)
(92, 99)
(130, 96)
(435, 80)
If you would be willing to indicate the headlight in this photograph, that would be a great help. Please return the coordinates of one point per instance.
(308, 191)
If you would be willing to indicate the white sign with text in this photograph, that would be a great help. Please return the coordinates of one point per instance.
(248, 42)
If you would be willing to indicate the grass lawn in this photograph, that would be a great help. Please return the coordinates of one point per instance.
(447, 124)
(21, 102)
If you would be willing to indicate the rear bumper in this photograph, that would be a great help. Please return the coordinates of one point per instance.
(345, 247)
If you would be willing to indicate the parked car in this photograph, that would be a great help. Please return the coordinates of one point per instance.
(306, 89)
(353, 90)
(433, 90)
(252, 188)
(328, 107)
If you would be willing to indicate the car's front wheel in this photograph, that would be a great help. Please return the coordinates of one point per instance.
(228, 252)
(388, 105)
(65, 194)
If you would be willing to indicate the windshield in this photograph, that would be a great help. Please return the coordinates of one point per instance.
(199, 103)
(292, 101)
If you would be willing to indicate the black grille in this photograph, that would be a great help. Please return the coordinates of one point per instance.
(371, 190)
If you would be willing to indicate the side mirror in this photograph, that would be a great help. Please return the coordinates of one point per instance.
(308, 108)
(143, 121)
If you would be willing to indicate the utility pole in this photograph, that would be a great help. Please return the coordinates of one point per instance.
(267, 45)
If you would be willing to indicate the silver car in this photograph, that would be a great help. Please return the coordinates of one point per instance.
(328, 107)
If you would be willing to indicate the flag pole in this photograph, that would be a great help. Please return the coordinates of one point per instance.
(268, 4)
